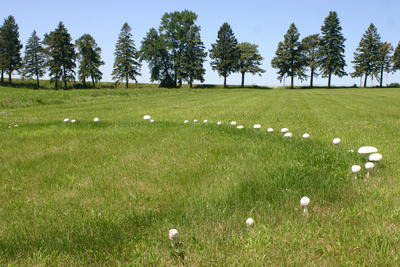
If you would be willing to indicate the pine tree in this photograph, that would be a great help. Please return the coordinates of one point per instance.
(61, 55)
(11, 46)
(290, 60)
(193, 57)
(384, 61)
(34, 60)
(332, 48)
(366, 56)
(311, 45)
(396, 59)
(225, 53)
(174, 28)
(155, 52)
(250, 60)
(126, 63)
(89, 56)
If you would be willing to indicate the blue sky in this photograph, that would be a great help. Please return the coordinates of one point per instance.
(263, 22)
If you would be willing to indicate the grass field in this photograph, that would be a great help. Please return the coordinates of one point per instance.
(108, 192)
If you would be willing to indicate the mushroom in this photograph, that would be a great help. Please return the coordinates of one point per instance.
(66, 120)
(355, 169)
(195, 121)
(376, 157)
(146, 117)
(186, 121)
(152, 120)
(250, 222)
(233, 122)
(205, 121)
(257, 126)
(219, 123)
(270, 130)
(173, 235)
(366, 150)
(284, 130)
(306, 136)
(336, 141)
(240, 127)
(96, 119)
(369, 166)
(289, 135)
(73, 121)
(304, 202)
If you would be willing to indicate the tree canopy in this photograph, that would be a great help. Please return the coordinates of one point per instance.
(311, 46)
(249, 60)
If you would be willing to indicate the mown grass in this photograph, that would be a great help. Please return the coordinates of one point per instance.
(107, 193)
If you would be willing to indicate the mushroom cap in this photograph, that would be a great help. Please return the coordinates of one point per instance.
(146, 117)
(369, 165)
(219, 123)
(186, 121)
(205, 121)
(270, 130)
(306, 135)
(152, 120)
(257, 126)
(355, 168)
(288, 135)
(73, 121)
(284, 130)
(66, 120)
(367, 150)
(173, 234)
(240, 127)
(336, 141)
(375, 157)
(195, 121)
(233, 122)
(304, 201)
(96, 119)
(250, 222)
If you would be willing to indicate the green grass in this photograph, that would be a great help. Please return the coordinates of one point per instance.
(107, 193)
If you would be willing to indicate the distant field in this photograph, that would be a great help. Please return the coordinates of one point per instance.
(108, 192)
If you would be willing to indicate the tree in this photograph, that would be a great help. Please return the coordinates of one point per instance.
(396, 58)
(34, 59)
(89, 56)
(174, 28)
(311, 45)
(2, 67)
(225, 53)
(126, 63)
(250, 60)
(384, 60)
(332, 48)
(155, 52)
(10, 47)
(61, 55)
(193, 57)
(290, 59)
(366, 56)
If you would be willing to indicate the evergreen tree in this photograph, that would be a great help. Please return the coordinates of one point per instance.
(311, 46)
(193, 57)
(34, 59)
(11, 46)
(384, 61)
(89, 55)
(155, 52)
(2, 67)
(332, 48)
(396, 59)
(126, 63)
(366, 56)
(250, 60)
(225, 52)
(61, 55)
(174, 28)
(290, 60)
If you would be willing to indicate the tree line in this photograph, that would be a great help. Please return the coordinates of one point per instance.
(175, 54)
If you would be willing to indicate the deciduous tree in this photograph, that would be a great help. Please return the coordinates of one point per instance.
(384, 61)
(250, 60)
(34, 62)
(311, 45)
(396, 58)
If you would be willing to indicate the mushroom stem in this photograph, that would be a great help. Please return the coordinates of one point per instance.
(368, 174)
(305, 211)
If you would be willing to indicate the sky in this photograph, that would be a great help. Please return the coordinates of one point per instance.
(262, 22)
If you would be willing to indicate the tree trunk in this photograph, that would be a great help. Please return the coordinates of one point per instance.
(64, 78)
(243, 79)
(381, 81)
(175, 80)
(9, 77)
(365, 80)
(180, 83)
(292, 81)
(84, 82)
(312, 78)
(191, 82)
(224, 81)
(126, 82)
(2, 76)
(93, 82)
(329, 80)
(56, 85)
(37, 80)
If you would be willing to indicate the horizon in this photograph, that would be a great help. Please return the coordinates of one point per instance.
(248, 23)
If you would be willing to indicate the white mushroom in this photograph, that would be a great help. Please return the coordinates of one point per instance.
(219, 123)
(73, 121)
(146, 117)
(366, 150)
(233, 122)
(336, 141)
(96, 119)
(66, 120)
(250, 222)
(257, 126)
(289, 135)
(186, 121)
(284, 130)
(369, 166)
(195, 121)
(306, 136)
(304, 202)
(173, 235)
(240, 127)
(205, 121)
(355, 169)
(376, 157)
(152, 120)
(270, 130)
